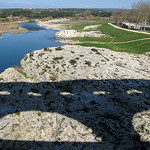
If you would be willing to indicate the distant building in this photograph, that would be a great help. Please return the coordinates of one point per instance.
(128, 25)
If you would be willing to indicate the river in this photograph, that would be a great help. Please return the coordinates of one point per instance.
(13, 47)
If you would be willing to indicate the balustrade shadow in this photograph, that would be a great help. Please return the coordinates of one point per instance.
(105, 106)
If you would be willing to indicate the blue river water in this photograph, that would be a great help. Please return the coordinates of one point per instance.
(13, 47)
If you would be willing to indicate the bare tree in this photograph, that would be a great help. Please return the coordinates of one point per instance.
(87, 13)
(143, 12)
(119, 16)
(139, 14)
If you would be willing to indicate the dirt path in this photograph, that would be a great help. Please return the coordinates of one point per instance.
(118, 42)
(128, 29)
(122, 42)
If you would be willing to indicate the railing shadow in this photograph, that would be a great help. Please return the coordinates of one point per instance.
(105, 106)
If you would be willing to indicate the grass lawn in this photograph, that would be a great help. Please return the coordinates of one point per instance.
(116, 35)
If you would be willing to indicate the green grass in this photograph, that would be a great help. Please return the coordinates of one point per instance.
(121, 35)
(116, 35)
(80, 26)
(134, 47)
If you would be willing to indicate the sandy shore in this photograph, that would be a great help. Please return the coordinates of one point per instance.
(12, 28)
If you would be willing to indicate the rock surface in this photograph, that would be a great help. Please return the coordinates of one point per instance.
(75, 97)
(55, 24)
(73, 33)
(76, 62)
(91, 27)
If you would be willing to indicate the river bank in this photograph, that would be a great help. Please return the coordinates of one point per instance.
(13, 28)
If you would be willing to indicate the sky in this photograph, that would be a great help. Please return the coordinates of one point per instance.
(67, 3)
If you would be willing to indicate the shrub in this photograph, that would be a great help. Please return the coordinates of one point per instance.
(81, 55)
(57, 69)
(1, 79)
(45, 49)
(58, 58)
(88, 63)
(53, 78)
(53, 66)
(25, 57)
(63, 65)
(41, 54)
(72, 61)
(31, 54)
(58, 48)
(17, 113)
(39, 114)
(94, 50)
(48, 67)
(44, 70)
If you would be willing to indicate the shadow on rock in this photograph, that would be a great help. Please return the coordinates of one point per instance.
(105, 106)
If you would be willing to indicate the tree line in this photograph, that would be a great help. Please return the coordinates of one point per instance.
(54, 13)
(139, 15)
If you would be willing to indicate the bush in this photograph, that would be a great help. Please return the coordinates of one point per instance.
(81, 55)
(88, 63)
(53, 78)
(45, 49)
(72, 61)
(58, 58)
(58, 48)
(94, 50)
(17, 113)
(31, 54)
(39, 114)
(25, 57)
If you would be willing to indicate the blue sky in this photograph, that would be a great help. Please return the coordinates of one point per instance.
(66, 3)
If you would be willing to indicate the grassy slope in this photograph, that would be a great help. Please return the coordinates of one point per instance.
(117, 36)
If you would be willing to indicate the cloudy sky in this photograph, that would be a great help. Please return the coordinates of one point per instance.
(66, 3)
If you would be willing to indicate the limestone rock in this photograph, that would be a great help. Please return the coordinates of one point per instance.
(76, 98)
(91, 27)
(73, 33)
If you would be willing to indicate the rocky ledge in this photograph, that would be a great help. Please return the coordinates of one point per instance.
(75, 97)
(66, 34)
(55, 24)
